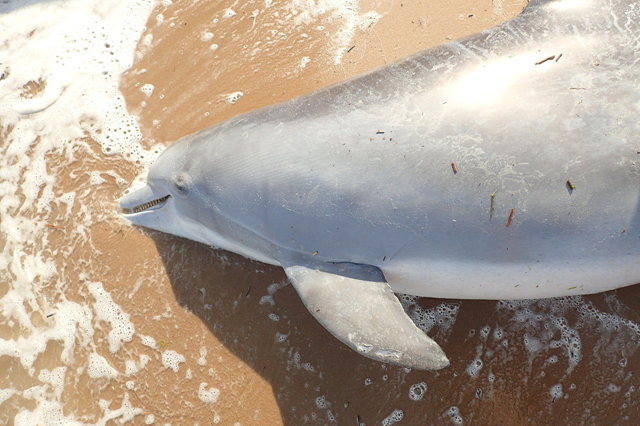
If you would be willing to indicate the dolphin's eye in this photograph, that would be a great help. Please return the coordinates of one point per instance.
(181, 183)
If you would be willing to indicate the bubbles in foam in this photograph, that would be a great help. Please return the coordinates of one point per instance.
(148, 341)
(203, 357)
(272, 289)
(281, 337)
(96, 178)
(484, 331)
(273, 317)
(322, 403)
(545, 326)
(474, 368)
(6, 394)
(367, 20)
(124, 414)
(99, 367)
(210, 395)
(107, 310)
(393, 418)
(498, 333)
(147, 89)
(232, 98)
(417, 391)
(613, 388)
(172, 359)
(444, 315)
(454, 415)
(131, 367)
(556, 391)
(55, 378)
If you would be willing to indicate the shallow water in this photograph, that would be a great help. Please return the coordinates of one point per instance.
(104, 323)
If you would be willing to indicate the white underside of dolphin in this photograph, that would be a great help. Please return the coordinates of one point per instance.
(499, 166)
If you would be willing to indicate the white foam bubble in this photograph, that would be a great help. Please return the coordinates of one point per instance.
(124, 414)
(393, 418)
(368, 20)
(613, 388)
(107, 310)
(96, 178)
(99, 367)
(454, 415)
(147, 89)
(304, 61)
(273, 317)
(203, 357)
(322, 403)
(444, 315)
(556, 391)
(46, 413)
(417, 391)
(281, 337)
(55, 378)
(474, 368)
(232, 98)
(172, 359)
(148, 341)
(210, 395)
(6, 394)
(131, 367)
(545, 326)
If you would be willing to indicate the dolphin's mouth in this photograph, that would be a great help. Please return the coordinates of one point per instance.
(146, 206)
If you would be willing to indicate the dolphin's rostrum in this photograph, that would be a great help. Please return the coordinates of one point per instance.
(351, 188)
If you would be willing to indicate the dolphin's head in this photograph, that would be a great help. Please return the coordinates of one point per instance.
(172, 200)
(182, 197)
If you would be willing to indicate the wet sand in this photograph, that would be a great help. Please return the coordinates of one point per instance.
(240, 328)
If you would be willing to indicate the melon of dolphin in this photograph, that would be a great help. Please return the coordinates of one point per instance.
(504, 165)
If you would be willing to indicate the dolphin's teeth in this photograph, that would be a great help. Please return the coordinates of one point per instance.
(145, 206)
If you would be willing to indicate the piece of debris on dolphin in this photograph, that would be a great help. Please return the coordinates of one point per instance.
(350, 188)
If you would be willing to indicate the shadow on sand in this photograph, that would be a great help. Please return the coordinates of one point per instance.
(494, 376)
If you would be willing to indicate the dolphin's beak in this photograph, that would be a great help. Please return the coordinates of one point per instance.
(141, 200)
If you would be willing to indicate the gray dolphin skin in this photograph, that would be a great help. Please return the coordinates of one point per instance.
(501, 166)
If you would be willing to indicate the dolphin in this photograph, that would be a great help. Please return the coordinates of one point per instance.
(501, 166)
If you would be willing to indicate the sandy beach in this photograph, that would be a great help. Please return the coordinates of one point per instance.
(105, 323)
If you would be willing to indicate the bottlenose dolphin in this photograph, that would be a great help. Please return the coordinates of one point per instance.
(500, 166)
